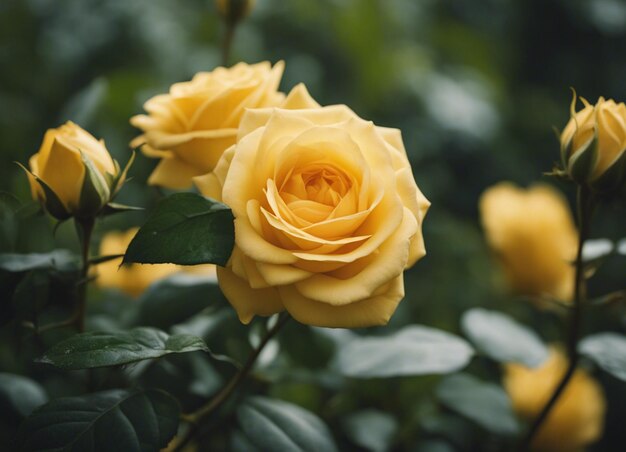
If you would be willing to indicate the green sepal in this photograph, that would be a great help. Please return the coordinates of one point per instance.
(95, 192)
(613, 178)
(557, 173)
(113, 208)
(52, 204)
(121, 175)
(581, 164)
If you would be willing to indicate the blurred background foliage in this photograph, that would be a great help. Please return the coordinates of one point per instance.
(475, 88)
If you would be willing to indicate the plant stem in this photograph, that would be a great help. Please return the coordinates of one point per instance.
(85, 228)
(201, 414)
(584, 209)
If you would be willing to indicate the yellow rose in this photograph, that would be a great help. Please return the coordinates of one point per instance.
(327, 215)
(190, 128)
(575, 421)
(134, 279)
(533, 235)
(73, 173)
(593, 144)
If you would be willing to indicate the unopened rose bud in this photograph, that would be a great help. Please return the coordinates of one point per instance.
(593, 145)
(73, 173)
(234, 10)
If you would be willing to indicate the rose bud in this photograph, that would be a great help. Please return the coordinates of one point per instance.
(73, 173)
(593, 145)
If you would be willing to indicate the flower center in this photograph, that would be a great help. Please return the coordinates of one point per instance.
(320, 183)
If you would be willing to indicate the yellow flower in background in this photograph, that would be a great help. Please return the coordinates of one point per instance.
(73, 173)
(190, 127)
(134, 279)
(575, 421)
(593, 144)
(533, 235)
(327, 215)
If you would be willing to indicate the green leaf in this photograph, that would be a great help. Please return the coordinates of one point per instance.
(240, 443)
(607, 350)
(276, 425)
(31, 295)
(413, 350)
(484, 403)
(116, 420)
(597, 248)
(93, 349)
(370, 429)
(20, 394)
(62, 260)
(9, 202)
(185, 229)
(175, 299)
(502, 338)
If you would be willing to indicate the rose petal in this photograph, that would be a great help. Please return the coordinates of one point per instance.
(247, 301)
(373, 311)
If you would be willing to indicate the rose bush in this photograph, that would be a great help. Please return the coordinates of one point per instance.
(73, 173)
(576, 420)
(190, 127)
(533, 235)
(327, 215)
(593, 144)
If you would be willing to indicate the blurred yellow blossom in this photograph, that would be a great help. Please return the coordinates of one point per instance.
(133, 279)
(533, 234)
(575, 421)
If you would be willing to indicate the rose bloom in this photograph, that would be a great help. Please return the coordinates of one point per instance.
(575, 421)
(134, 279)
(599, 128)
(327, 215)
(533, 235)
(190, 128)
(60, 166)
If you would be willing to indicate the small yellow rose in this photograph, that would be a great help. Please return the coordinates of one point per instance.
(73, 173)
(593, 144)
(534, 237)
(575, 421)
(327, 215)
(134, 279)
(190, 128)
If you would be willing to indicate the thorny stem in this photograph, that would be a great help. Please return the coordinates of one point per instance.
(584, 208)
(196, 419)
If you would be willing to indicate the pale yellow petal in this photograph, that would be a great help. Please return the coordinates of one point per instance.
(173, 173)
(373, 311)
(387, 263)
(248, 302)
